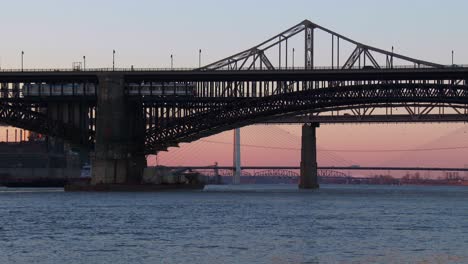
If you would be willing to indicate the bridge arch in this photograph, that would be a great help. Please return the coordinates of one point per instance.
(22, 116)
(277, 172)
(254, 110)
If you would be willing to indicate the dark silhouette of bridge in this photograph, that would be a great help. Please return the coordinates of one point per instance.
(124, 114)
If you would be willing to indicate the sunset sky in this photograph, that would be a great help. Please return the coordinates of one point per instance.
(55, 33)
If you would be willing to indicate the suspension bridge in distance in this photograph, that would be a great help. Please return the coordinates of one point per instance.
(122, 115)
(338, 168)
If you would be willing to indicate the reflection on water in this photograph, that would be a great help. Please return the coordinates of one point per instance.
(237, 224)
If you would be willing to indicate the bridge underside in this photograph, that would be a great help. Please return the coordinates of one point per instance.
(204, 122)
(44, 120)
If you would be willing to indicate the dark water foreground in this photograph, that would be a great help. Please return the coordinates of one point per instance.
(248, 224)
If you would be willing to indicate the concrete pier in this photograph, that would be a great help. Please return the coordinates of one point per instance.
(119, 148)
(237, 157)
(309, 178)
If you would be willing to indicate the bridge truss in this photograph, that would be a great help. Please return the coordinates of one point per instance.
(258, 85)
(280, 173)
(351, 90)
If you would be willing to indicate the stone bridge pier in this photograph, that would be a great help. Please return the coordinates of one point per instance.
(119, 149)
(309, 176)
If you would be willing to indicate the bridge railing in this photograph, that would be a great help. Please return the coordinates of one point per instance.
(93, 70)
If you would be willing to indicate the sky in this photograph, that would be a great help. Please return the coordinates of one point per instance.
(55, 33)
(144, 33)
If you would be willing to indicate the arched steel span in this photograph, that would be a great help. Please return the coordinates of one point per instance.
(221, 172)
(290, 173)
(21, 116)
(272, 172)
(281, 173)
(228, 99)
(253, 110)
(255, 57)
(332, 173)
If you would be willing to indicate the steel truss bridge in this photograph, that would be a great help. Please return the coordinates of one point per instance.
(325, 169)
(271, 172)
(215, 174)
(125, 114)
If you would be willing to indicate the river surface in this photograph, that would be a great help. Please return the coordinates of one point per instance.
(244, 224)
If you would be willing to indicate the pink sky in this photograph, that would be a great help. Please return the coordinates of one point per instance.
(336, 137)
(285, 140)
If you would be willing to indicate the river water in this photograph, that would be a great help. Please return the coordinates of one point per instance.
(246, 224)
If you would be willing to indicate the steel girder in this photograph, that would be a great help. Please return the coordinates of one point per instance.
(250, 111)
(21, 116)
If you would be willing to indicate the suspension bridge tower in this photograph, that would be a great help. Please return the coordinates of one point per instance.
(237, 157)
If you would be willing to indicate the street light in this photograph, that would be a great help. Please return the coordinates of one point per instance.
(172, 61)
(293, 58)
(452, 57)
(22, 60)
(113, 60)
(84, 63)
(391, 61)
(199, 58)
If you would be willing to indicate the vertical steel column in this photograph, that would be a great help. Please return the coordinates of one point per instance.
(338, 53)
(309, 47)
(333, 51)
(286, 53)
(279, 59)
(309, 52)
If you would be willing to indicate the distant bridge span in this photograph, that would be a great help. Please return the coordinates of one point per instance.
(326, 168)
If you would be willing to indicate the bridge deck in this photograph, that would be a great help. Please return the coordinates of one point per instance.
(240, 75)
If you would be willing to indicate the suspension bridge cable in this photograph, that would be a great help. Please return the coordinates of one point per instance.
(343, 150)
(394, 150)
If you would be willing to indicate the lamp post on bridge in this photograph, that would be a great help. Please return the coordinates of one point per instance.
(199, 58)
(172, 62)
(113, 60)
(392, 58)
(84, 63)
(452, 57)
(293, 58)
(22, 60)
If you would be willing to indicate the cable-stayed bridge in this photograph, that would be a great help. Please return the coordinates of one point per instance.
(125, 114)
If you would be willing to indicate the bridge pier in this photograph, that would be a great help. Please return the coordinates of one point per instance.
(237, 158)
(309, 178)
(119, 149)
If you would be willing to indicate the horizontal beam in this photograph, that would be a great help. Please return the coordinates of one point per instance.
(324, 168)
(251, 75)
(346, 119)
